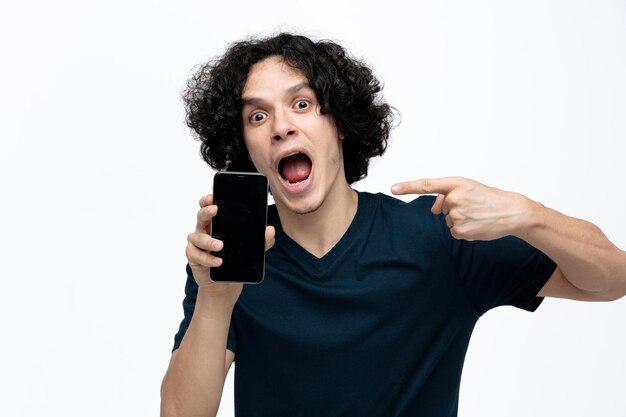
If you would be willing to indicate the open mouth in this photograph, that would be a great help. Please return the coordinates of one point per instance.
(295, 168)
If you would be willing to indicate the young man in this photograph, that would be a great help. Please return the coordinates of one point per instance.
(368, 303)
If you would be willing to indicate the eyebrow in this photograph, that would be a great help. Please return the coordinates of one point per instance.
(255, 101)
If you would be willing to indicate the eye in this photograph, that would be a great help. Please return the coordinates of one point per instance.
(257, 117)
(302, 104)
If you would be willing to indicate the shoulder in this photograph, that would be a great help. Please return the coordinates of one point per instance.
(405, 229)
(397, 216)
(393, 201)
(395, 208)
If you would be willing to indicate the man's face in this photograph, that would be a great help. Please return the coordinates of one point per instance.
(288, 139)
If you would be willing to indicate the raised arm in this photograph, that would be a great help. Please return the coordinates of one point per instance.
(194, 380)
(590, 267)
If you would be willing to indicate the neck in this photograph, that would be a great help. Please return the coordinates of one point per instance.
(320, 230)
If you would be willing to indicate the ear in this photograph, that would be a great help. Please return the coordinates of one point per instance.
(341, 136)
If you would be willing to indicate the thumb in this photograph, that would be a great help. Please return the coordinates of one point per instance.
(437, 208)
(270, 237)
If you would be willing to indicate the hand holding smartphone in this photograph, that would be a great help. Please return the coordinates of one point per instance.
(241, 198)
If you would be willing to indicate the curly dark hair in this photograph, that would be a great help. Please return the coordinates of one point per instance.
(345, 88)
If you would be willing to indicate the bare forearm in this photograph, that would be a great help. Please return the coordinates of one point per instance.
(581, 250)
(194, 381)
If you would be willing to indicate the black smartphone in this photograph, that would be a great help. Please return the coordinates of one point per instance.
(241, 199)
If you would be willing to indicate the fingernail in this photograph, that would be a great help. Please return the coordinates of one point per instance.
(216, 245)
(395, 188)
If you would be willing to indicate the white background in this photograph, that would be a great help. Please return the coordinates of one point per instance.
(100, 180)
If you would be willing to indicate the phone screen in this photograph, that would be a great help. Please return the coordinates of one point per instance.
(241, 198)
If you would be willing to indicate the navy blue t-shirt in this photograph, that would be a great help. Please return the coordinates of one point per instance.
(379, 326)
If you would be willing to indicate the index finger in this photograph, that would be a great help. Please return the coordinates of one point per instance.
(206, 200)
(427, 186)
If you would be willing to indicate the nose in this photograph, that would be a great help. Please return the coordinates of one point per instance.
(282, 126)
